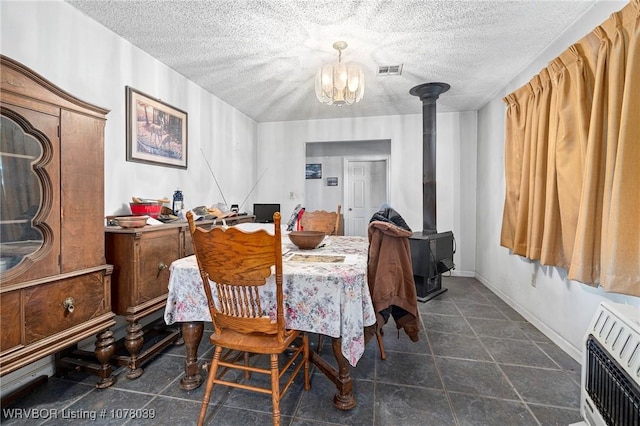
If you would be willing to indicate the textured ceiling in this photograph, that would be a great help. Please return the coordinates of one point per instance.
(262, 56)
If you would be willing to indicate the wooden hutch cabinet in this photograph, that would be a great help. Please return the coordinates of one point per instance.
(55, 285)
(140, 283)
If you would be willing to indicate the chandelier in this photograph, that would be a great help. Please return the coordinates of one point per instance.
(340, 84)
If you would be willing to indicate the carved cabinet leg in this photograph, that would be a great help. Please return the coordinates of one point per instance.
(133, 343)
(105, 348)
(192, 334)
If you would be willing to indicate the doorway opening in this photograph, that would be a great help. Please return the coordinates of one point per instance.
(354, 174)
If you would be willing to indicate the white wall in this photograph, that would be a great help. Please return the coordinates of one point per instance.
(89, 61)
(319, 196)
(283, 143)
(562, 309)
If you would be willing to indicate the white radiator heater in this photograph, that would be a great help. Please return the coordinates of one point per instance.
(610, 393)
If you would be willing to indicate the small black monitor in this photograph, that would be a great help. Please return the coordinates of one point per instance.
(264, 212)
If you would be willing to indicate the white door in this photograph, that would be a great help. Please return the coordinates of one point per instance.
(366, 190)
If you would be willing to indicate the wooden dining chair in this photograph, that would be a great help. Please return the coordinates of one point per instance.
(321, 220)
(239, 263)
(329, 223)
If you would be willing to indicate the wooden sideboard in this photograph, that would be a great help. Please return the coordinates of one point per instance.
(139, 286)
(55, 286)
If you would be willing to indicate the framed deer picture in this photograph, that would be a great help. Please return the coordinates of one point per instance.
(156, 131)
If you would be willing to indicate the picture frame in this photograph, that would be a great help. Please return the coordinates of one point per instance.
(156, 131)
(313, 171)
(332, 181)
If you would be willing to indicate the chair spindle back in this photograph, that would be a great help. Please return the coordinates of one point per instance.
(239, 263)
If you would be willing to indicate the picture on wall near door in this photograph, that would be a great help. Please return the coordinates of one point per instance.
(314, 171)
(332, 181)
(156, 131)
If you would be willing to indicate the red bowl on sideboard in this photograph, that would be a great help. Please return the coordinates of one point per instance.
(148, 209)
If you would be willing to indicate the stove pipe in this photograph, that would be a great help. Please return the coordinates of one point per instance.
(428, 94)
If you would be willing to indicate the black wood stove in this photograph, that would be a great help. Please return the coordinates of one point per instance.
(431, 251)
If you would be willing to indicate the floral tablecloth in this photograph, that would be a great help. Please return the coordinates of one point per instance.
(325, 291)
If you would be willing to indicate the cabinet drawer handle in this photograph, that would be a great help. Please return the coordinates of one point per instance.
(69, 304)
(161, 266)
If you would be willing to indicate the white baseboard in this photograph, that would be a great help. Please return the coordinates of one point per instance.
(571, 350)
(457, 273)
(17, 379)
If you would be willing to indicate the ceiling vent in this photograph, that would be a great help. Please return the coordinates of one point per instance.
(390, 70)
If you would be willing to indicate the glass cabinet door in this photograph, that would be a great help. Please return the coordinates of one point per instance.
(20, 194)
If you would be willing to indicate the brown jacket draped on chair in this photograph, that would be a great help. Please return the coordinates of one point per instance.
(390, 275)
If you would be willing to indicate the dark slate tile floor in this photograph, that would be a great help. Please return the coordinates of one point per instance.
(478, 362)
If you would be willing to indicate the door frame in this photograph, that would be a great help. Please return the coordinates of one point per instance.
(345, 178)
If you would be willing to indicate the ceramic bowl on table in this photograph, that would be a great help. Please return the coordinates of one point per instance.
(306, 240)
(132, 221)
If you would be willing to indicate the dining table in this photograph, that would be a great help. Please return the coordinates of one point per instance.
(325, 292)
